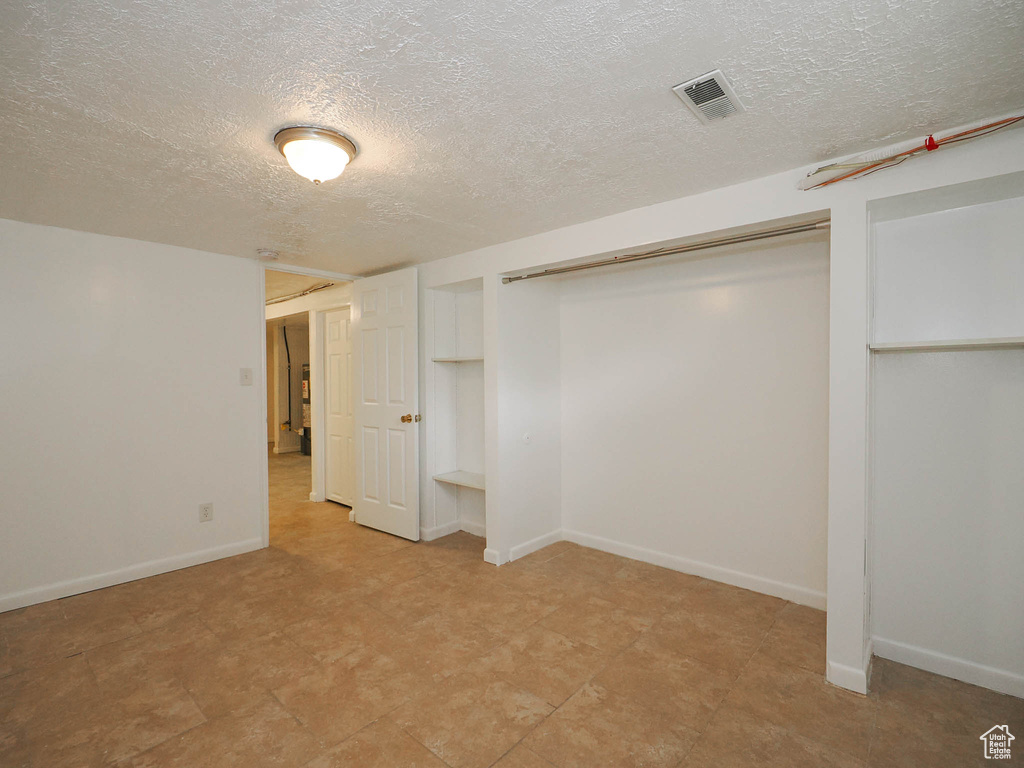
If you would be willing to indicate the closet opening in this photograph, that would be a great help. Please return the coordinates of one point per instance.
(674, 409)
(947, 431)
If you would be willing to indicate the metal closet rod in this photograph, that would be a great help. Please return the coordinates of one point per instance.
(763, 234)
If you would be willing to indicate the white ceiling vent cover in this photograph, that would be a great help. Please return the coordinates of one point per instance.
(709, 97)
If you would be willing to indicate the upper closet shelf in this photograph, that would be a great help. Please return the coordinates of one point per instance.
(946, 345)
(457, 359)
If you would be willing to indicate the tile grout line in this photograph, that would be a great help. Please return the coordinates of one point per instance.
(609, 659)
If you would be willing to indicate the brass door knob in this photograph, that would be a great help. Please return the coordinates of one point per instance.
(407, 419)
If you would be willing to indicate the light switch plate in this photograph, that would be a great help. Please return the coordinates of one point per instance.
(245, 377)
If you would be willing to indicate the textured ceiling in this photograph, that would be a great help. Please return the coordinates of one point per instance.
(478, 122)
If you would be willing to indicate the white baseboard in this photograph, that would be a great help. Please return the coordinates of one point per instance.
(852, 678)
(528, 547)
(121, 575)
(492, 556)
(845, 676)
(791, 592)
(476, 529)
(351, 515)
(314, 496)
(1000, 680)
(429, 534)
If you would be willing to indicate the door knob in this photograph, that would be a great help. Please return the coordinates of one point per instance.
(407, 419)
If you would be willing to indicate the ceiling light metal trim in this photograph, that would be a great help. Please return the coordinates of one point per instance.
(297, 132)
(318, 154)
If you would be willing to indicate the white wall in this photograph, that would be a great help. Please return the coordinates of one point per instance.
(951, 274)
(124, 411)
(948, 444)
(528, 472)
(695, 414)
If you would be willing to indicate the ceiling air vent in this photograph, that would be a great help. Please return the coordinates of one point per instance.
(709, 97)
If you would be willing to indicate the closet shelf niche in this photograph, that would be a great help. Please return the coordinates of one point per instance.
(456, 391)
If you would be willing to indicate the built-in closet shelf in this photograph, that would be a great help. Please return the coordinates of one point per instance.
(465, 479)
(455, 391)
(946, 345)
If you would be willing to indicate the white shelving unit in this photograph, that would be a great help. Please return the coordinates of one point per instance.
(455, 389)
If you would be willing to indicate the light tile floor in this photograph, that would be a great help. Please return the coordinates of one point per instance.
(342, 646)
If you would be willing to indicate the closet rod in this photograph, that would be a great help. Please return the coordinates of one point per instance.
(670, 251)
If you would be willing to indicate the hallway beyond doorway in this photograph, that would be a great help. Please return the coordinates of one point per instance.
(293, 517)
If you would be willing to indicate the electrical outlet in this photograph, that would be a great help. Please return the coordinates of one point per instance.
(205, 512)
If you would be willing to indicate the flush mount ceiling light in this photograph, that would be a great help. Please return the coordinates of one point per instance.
(316, 153)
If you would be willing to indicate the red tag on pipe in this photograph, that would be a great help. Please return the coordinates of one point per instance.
(930, 143)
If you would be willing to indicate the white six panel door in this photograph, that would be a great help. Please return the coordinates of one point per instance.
(385, 347)
(340, 447)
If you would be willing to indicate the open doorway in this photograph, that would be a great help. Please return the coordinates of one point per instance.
(289, 425)
(309, 410)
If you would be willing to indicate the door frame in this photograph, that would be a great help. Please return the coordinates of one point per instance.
(318, 380)
(261, 308)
